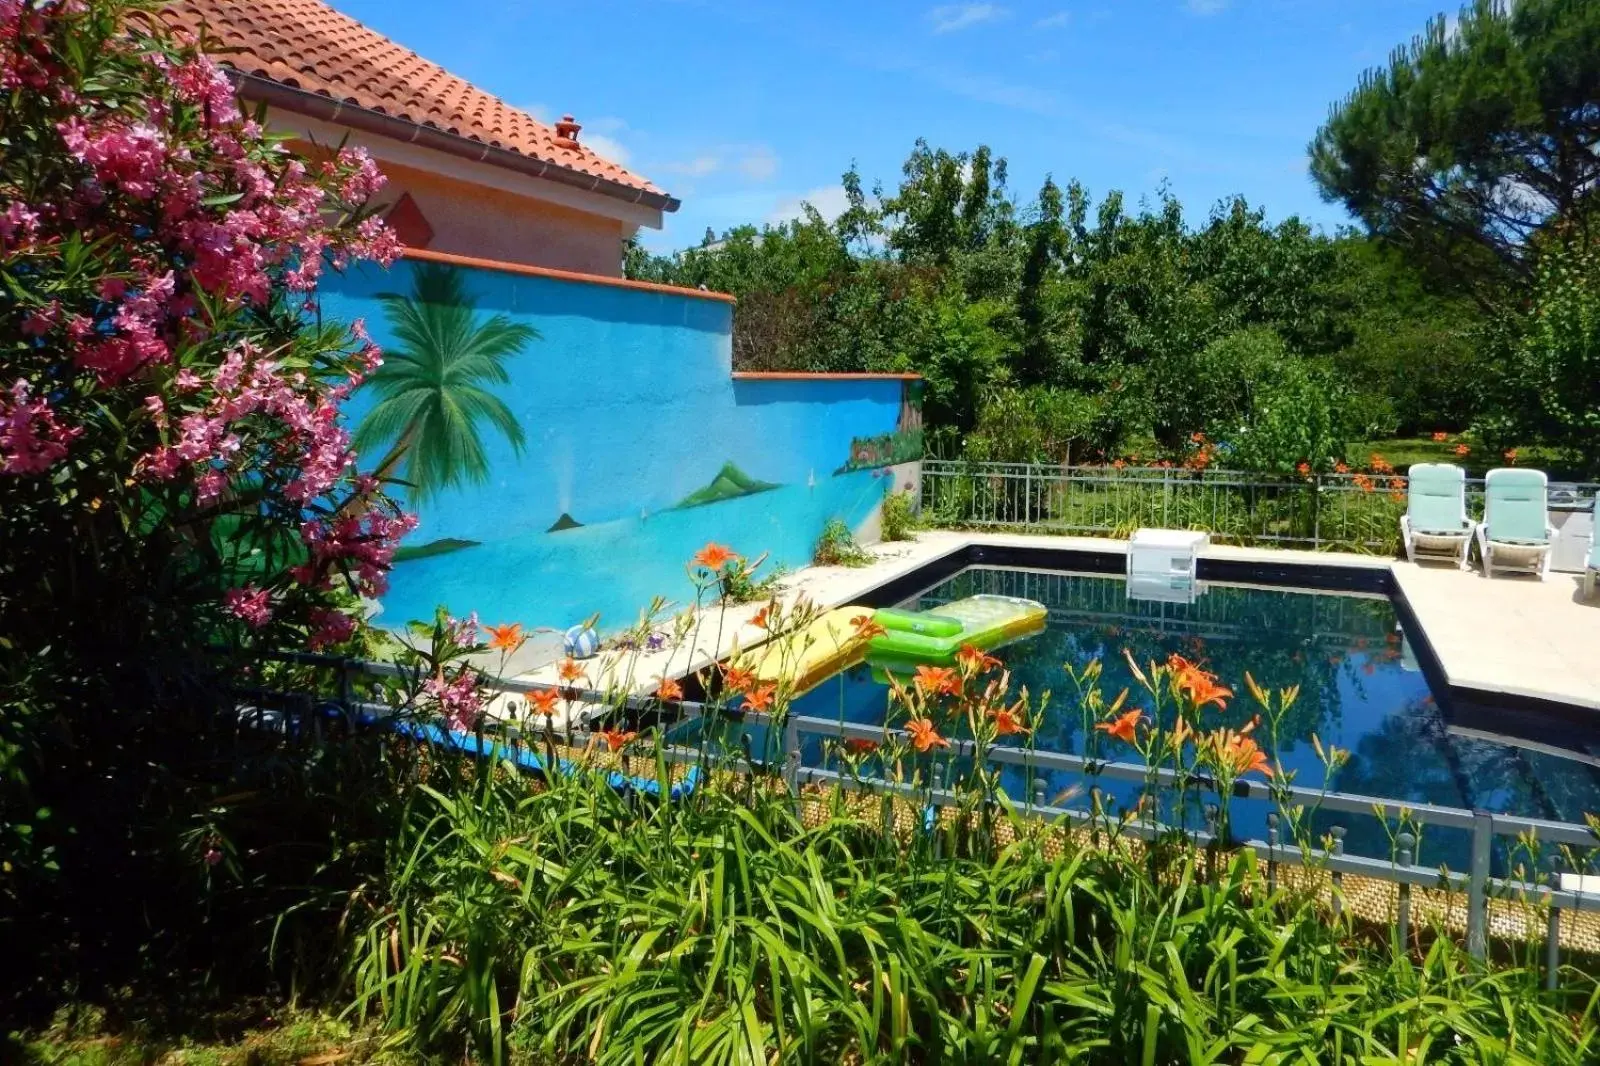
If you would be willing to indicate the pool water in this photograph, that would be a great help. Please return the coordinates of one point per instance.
(1360, 688)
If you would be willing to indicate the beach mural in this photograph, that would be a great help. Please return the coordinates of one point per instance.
(568, 444)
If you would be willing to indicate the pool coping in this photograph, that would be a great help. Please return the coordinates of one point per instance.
(903, 569)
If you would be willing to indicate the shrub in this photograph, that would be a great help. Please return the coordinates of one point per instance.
(837, 546)
(177, 496)
(899, 516)
(1296, 416)
(1041, 425)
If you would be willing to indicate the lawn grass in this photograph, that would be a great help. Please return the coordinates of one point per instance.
(83, 1036)
(1402, 452)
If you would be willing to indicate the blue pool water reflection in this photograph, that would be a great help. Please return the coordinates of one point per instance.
(1360, 688)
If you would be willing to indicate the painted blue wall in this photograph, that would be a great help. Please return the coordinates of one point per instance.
(628, 406)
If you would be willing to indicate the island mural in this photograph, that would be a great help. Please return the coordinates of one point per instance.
(567, 445)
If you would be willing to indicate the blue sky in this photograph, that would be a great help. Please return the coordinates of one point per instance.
(745, 108)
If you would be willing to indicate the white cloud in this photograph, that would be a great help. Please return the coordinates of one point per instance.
(759, 163)
(829, 200)
(541, 112)
(698, 167)
(1054, 22)
(948, 18)
(608, 148)
(1206, 7)
(996, 91)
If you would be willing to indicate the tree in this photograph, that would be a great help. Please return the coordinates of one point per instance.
(1547, 379)
(1474, 140)
(1046, 239)
(432, 391)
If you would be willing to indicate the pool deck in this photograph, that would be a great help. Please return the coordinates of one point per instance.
(1514, 636)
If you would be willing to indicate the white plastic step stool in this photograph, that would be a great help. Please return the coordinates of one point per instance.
(1165, 554)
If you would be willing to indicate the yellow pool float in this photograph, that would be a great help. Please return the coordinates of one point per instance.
(811, 655)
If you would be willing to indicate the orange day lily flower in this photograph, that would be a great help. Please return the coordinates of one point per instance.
(1511, 456)
(714, 557)
(759, 699)
(1007, 722)
(543, 701)
(931, 679)
(1239, 752)
(570, 670)
(737, 680)
(669, 689)
(1203, 689)
(505, 638)
(1462, 449)
(1439, 437)
(761, 621)
(616, 739)
(866, 628)
(860, 746)
(924, 737)
(1124, 726)
(970, 658)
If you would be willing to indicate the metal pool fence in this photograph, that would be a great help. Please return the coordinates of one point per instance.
(1533, 905)
(1351, 512)
(1492, 905)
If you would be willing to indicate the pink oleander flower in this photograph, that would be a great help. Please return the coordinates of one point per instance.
(329, 628)
(459, 700)
(251, 604)
(31, 438)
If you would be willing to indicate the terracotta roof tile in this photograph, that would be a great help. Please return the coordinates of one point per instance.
(305, 44)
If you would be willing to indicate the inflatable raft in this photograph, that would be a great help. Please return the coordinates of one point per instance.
(934, 636)
(809, 656)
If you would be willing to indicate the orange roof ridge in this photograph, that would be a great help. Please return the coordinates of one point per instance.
(308, 47)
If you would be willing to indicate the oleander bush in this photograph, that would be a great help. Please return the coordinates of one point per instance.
(178, 499)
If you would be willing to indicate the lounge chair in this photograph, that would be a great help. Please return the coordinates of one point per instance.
(1516, 533)
(1435, 525)
(1591, 568)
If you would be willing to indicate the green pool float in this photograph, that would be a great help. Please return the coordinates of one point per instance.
(912, 638)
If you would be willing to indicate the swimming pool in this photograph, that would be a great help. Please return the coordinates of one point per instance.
(1362, 688)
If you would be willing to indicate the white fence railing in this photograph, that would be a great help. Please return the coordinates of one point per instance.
(1358, 512)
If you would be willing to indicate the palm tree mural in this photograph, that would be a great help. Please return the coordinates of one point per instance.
(432, 386)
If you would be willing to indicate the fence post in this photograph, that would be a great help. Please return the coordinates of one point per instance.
(1478, 884)
(1316, 511)
(791, 756)
(1552, 932)
(1337, 876)
(1166, 497)
(1027, 493)
(1272, 852)
(1406, 844)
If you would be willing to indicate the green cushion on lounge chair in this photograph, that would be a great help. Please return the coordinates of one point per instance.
(1436, 499)
(1515, 510)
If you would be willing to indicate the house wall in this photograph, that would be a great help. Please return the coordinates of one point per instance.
(489, 223)
(486, 211)
(627, 409)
